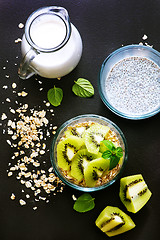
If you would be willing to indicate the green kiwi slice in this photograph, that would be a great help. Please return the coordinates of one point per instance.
(114, 221)
(94, 170)
(134, 192)
(66, 150)
(94, 135)
(79, 163)
(75, 131)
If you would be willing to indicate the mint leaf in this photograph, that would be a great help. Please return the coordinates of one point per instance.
(109, 144)
(83, 88)
(107, 154)
(119, 152)
(55, 96)
(113, 162)
(84, 203)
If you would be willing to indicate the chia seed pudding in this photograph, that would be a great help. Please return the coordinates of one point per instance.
(133, 86)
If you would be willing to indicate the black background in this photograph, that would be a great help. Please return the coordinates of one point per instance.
(104, 25)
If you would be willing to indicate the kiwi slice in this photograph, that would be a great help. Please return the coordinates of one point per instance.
(94, 135)
(94, 170)
(79, 163)
(114, 221)
(75, 131)
(134, 192)
(66, 150)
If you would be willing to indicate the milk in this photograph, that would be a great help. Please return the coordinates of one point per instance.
(49, 31)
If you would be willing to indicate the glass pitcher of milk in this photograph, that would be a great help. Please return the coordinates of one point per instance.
(51, 46)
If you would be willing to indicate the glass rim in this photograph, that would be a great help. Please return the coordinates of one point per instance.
(76, 186)
(44, 11)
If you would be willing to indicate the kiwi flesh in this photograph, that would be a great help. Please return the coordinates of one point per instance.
(94, 170)
(66, 150)
(75, 131)
(134, 192)
(114, 221)
(79, 163)
(94, 135)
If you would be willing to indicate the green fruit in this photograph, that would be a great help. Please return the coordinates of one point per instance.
(75, 131)
(134, 192)
(94, 135)
(66, 150)
(114, 221)
(94, 170)
(79, 162)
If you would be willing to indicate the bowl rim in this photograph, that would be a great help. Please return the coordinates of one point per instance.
(106, 102)
(53, 160)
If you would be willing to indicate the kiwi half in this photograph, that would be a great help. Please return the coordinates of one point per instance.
(79, 163)
(94, 135)
(94, 170)
(114, 221)
(134, 192)
(66, 150)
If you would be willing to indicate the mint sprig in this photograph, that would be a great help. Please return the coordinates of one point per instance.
(112, 153)
(84, 203)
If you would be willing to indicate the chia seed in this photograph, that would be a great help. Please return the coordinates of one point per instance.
(133, 86)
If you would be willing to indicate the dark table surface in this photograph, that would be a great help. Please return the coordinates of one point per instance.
(104, 26)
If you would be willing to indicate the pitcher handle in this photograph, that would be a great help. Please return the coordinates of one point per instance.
(25, 70)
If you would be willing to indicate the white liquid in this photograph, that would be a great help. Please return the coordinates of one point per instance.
(48, 32)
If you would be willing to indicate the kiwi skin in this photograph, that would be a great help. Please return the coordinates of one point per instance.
(107, 217)
(141, 196)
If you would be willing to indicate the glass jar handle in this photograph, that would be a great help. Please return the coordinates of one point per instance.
(25, 70)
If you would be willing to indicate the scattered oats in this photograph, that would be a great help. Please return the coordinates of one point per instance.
(12, 111)
(8, 100)
(22, 202)
(53, 132)
(55, 127)
(18, 40)
(28, 174)
(14, 137)
(20, 25)
(27, 196)
(36, 164)
(47, 104)
(59, 78)
(4, 116)
(28, 184)
(23, 94)
(9, 142)
(5, 86)
(74, 198)
(7, 76)
(40, 82)
(40, 89)
(144, 37)
(10, 174)
(34, 208)
(4, 67)
(42, 152)
(50, 169)
(14, 85)
(13, 196)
